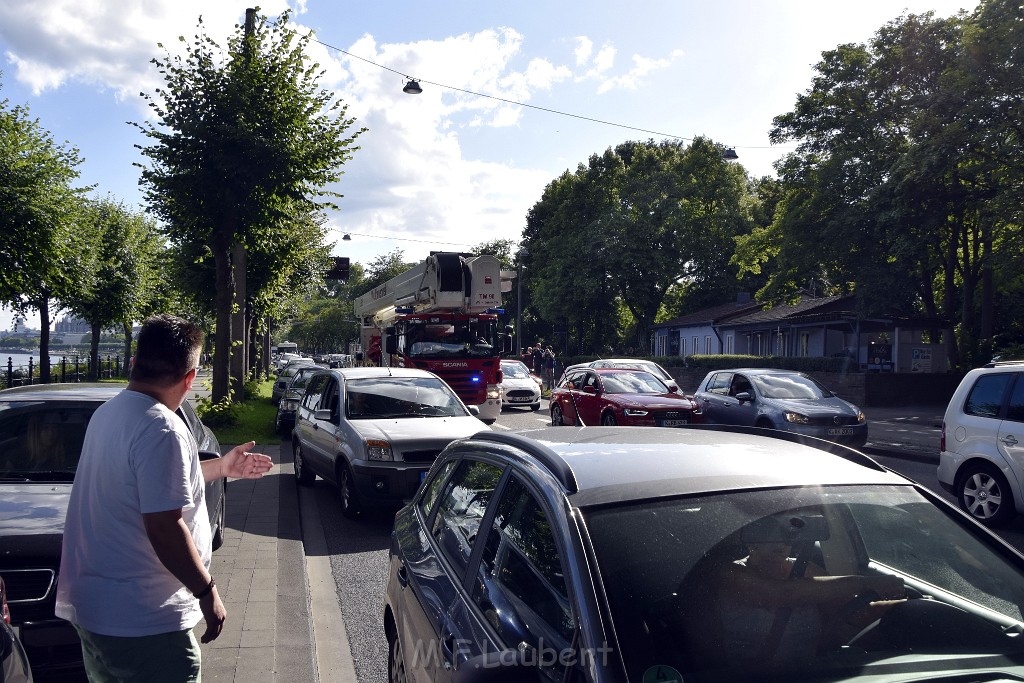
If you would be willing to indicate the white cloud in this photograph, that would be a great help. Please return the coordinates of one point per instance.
(107, 44)
(584, 48)
(642, 66)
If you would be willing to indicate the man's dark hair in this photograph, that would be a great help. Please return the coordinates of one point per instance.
(168, 348)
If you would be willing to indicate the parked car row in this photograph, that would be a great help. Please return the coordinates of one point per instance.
(42, 429)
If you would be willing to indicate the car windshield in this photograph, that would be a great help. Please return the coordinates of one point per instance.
(450, 339)
(730, 586)
(637, 382)
(41, 441)
(515, 371)
(789, 386)
(391, 397)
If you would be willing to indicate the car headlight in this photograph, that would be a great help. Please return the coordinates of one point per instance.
(633, 412)
(797, 418)
(378, 450)
(289, 405)
(493, 392)
(860, 417)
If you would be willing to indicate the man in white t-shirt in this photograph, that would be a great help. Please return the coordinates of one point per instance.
(134, 575)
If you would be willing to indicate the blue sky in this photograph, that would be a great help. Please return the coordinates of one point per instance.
(446, 169)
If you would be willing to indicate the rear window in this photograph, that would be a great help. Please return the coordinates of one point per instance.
(42, 441)
(986, 395)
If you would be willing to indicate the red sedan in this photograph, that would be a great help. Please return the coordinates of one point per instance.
(609, 396)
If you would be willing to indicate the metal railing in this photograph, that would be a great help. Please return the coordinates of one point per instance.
(75, 369)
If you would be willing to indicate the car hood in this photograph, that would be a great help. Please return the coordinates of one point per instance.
(412, 429)
(819, 407)
(32, 518)
(654, 401)
(519, 382)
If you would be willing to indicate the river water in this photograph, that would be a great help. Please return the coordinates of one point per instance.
(20, 360)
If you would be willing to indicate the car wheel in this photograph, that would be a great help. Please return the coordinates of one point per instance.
(396, 661)
(349, 499)
(218, 532)
(303, 475)
(608, 419)
(985, 494)
(556, 416)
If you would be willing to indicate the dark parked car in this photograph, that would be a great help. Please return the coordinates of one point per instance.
(42, 428)
(628, 554)
(609, 396)
(14, 666)
(780, 399)
(292, 397)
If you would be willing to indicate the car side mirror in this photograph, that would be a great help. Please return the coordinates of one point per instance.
(674, 388)
(322, 414)
(474, 410)
(744, 396)
(208, 455)
(590, 390)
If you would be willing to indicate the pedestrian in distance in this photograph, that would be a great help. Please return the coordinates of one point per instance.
(134, 575)
(549, 366)
(527, 357)
(538, 360)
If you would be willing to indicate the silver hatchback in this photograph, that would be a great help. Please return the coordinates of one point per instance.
(374, 432)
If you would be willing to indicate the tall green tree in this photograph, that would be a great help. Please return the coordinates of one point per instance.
(124, 254)
(908, 153)
(42, 251)
(244, 140)
(632, 224)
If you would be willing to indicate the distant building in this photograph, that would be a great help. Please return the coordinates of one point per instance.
(71, 325)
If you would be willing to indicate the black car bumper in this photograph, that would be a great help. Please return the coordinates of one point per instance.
(391, 485)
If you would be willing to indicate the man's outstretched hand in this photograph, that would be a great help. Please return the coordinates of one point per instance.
(239, 463)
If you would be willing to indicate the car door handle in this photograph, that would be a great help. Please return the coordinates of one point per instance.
(403, 577)
(1009, 440)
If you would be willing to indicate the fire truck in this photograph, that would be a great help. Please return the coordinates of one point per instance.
(442, 316)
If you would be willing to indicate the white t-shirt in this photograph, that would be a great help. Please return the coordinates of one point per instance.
(138, 457)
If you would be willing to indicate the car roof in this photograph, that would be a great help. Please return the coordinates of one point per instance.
(601, 465)
(360, 373)
(759, 371)
(87, 391)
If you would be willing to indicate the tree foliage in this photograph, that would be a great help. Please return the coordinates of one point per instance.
(624, 229)
(42, 254)
(243, 152)
(905, 184)
(124, 248)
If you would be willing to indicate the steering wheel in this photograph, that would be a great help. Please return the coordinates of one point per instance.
(854, 605)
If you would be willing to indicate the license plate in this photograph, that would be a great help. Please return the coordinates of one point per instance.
(840, 431)
(520, 399)
(674, 423)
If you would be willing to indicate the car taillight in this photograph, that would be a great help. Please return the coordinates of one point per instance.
(942, 437)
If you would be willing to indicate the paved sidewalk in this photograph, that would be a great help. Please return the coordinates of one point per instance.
(261, 575)
(274, 577)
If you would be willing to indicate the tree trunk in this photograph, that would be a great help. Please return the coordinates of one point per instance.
(223, 297)
(239, 340)
(127, 328)
(44, 338)
(94, 352)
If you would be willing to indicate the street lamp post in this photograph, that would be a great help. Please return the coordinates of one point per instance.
(523, 253)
